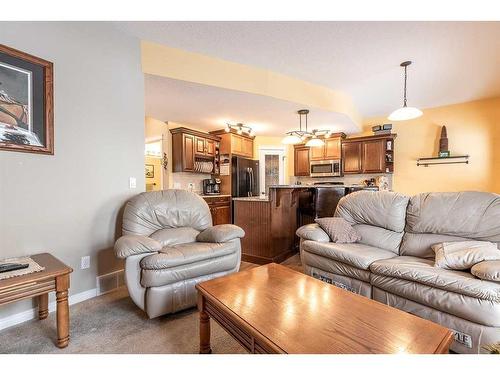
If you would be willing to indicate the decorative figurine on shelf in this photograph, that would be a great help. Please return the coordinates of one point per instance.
(443, 144)
(382, 183)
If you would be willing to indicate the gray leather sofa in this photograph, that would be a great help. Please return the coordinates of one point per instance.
(393, 262)
(170, 245)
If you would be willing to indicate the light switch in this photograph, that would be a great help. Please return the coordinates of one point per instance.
(132, 182)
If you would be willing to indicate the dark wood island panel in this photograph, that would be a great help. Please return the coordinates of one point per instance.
(269, 225)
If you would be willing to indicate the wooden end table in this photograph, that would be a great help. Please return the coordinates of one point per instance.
(54, 278)
(273, 309)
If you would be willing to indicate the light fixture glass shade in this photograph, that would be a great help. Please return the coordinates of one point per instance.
(405, 113)
(315, 142)
(291, 139)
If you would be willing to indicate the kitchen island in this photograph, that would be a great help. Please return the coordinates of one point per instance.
(270, 223)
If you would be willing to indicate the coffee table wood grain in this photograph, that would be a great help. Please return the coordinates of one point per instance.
(54, 278)
(273, 309)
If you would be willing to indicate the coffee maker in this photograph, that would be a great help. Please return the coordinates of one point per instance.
(211, 186)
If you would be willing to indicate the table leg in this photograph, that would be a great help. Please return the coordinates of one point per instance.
(62, 285)
(43, 306)
(204, 327)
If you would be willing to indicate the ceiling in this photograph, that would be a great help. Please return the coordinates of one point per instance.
(453, 61)
(209, 108)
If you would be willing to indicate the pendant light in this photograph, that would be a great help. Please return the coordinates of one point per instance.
(405, 112)
(314, 141)
(298, 136)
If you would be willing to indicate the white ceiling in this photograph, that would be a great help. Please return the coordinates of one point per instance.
(453, 61)
(209, 108)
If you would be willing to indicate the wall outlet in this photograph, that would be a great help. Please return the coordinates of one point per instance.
(85, 262)
(132, 182)
(191, 186)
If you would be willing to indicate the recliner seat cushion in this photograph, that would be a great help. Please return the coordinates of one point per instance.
(423, 272)
(182, 254)
(355, 254)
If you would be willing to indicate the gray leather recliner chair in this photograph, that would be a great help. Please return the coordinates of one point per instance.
(170, 245)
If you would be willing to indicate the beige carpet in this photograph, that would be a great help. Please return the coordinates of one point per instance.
(113, 324)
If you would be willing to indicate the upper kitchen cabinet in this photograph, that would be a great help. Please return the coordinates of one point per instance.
(301, 160)
(331, 150)
(194, 151)
(372, 154)
(235, 144)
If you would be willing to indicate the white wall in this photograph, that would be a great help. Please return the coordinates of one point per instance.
(68, 204)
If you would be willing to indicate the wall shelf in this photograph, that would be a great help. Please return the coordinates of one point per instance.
(461, 159)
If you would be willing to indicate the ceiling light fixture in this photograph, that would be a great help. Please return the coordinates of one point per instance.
(405, 112)
(298, 136)
(239, 128)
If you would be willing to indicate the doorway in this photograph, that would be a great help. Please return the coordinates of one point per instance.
(272, 167)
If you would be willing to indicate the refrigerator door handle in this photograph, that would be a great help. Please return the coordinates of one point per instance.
(250, 181)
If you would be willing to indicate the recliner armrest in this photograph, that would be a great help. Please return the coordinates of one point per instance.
(312, 232)
(134, 244)
(220, 233)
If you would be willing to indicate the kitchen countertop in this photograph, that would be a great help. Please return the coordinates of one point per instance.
(313, 186)
(214, 195)
(252, 199)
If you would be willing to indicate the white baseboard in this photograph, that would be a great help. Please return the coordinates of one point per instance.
(32, 313)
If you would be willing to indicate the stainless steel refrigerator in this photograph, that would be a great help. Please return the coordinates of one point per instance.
(244, 177)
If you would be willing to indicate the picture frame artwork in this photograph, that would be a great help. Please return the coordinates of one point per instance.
(150, 171)
(26, 102)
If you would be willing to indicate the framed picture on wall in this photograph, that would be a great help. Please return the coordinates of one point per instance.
(150, 171)
(26, 102)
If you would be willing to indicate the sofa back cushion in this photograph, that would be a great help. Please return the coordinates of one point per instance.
(149, 212)
(379, 217)
(449, 217)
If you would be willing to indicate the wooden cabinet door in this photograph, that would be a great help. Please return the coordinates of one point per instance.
(351, 157)
(301, 161)
(188, 152)
(236, 144)
(247, 147)
(210, 147)
(318, 153)
(373, 156)
(221, 215)
(200, 145)
(333, 148)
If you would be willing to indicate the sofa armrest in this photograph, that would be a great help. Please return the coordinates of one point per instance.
(312, 232)
(220, 233)
(135, 244)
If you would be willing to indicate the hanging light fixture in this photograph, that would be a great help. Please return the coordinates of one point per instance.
(405, 112)
(298, 136)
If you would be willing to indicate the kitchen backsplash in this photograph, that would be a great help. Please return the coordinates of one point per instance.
(181, 180)
(347, 179)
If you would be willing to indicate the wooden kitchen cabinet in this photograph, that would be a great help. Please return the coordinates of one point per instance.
(352, 153)
(373, 156)
(369, 154)
(331, 150)
(220, 209)
(189, 145)
(235, 144)
(301, 161)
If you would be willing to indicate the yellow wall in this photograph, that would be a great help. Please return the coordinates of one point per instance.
(275, 141)
(174, 63)
(157, 173)
(473, 129)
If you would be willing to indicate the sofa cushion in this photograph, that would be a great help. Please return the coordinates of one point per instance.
(334, 267)
(461, 216)
(177, 255)
(354, 254)
(422, 271)
(175, 236)
(464, 254)
(382, 209)
(338, 229)
(379, 237)
(487, 270)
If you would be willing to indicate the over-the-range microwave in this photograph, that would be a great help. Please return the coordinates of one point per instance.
(325, 168)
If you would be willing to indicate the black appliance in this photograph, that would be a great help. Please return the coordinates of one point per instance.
(244, 177)
(211, 186)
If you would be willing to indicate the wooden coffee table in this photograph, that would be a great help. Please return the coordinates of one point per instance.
(273, 309)
(54, 278)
